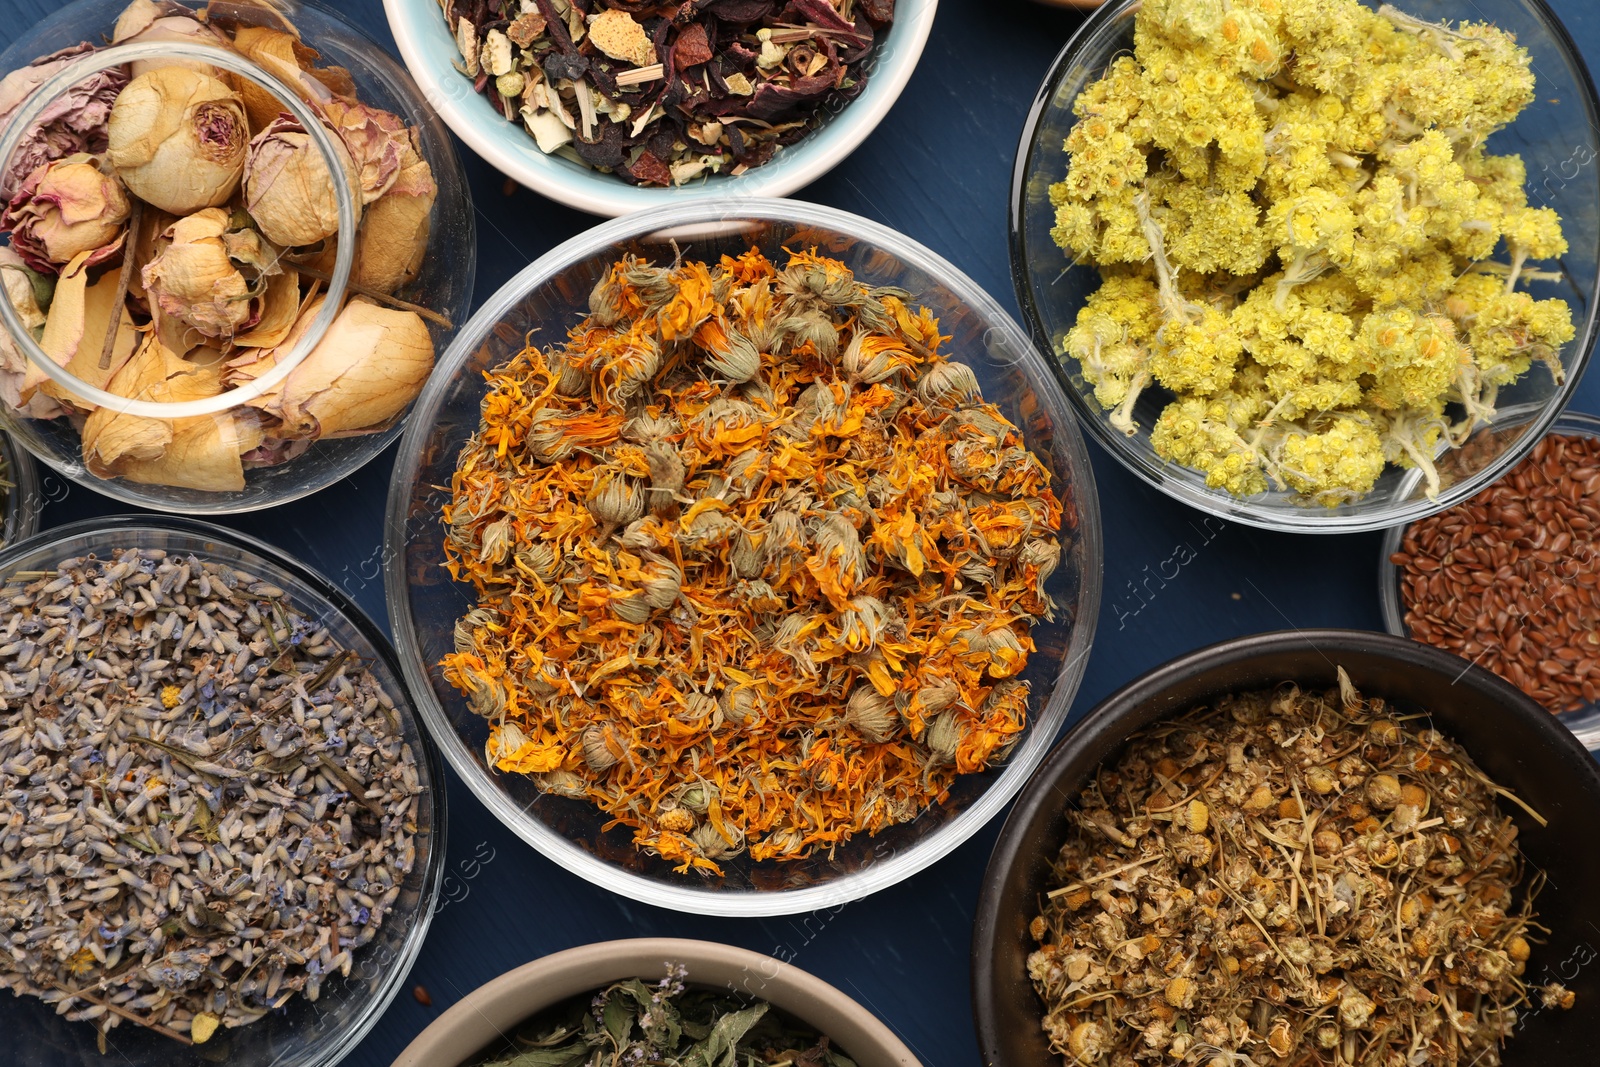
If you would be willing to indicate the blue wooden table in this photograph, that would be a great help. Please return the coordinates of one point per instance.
(939, 170)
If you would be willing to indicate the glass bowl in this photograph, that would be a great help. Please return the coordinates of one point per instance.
(24, 499)
(443, 286)
(431, 54)
(1585, 721)
(1509, 736)
(303, 1033)
(1558, 137)
(552, 295)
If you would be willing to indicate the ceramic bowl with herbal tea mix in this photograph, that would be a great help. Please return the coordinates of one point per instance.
(218, 815)
(1302, 256)
(661, 94)
(183, 331)
(770, 546)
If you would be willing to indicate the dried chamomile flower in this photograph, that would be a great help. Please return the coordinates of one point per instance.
(1241, 898)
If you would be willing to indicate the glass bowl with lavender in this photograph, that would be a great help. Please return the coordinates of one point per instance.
(221, 826)
(611, 106)
(744, 559)
(1510, 578)
(199, 318)
(1374, 240)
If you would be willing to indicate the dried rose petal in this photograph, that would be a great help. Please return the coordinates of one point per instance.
(377, 141)
(74, 122)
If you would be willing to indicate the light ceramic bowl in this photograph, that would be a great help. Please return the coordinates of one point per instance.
(444, 285)
(478, 1023)
(551, 296)
(1585, 721)
(302, 1033)
(1557, 136)
(430, 52)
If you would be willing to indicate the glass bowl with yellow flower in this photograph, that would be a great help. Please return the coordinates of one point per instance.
(199, 317)
(744, 557)
(1288, 255)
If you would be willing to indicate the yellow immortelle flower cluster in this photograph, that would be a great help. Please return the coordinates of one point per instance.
(1294, 216)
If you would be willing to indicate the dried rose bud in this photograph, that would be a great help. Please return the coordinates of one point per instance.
(73, 122)
(143, 21)
(193, 278)
(66, 208)
(177, 139)
(288, 189)
(378, 142)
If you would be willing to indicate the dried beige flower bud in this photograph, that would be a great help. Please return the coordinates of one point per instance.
(713, 845)
(1383, 791)
(64, 208)
(539, 559)
(942, 737)
(193, 278)
(178, 139)
(1088, 1043)
(948, 383)
(666, 473)
(740, 705)
(662, 582)
(602, 749)
(933, 698)
(288, 190)
(615, 499)
(872, 714)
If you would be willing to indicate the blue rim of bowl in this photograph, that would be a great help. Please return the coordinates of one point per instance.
(1583, 722)
(741, 903)
(429, 50)
(433, 879)
(1216, 502)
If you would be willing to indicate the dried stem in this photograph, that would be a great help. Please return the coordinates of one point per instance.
(373, 294)
(124, 279)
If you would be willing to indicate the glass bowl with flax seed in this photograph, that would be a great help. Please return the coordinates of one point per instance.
(744, 557)
(221, 825)
(1510, 579)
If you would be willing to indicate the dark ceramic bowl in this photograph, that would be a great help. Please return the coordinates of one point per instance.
(1516, 742)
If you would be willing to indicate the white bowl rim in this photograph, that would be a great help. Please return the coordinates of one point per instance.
(469, 116)
(742, 903)
(573, 971)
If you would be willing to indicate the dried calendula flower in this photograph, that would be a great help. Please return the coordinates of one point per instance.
(1188, 893)
(178, 139)
(756, 535)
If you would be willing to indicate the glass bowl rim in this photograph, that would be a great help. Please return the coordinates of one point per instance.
(608, 195)
(1583, 722)
(341, 1042)
(1309, 520)
(741, 903)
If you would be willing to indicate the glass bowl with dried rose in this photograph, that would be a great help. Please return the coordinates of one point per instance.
(187, 327)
